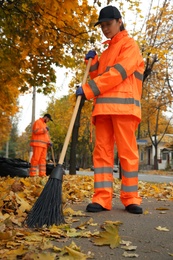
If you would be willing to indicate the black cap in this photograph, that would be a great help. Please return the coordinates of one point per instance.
(48, 116)
(108, 13)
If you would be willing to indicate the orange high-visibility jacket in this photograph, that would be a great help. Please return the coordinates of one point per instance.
(116, 84)
(40, 136)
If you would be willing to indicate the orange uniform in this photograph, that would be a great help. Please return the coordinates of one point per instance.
(39, 141)
(116, 87)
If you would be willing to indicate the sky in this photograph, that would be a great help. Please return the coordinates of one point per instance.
(25, 101)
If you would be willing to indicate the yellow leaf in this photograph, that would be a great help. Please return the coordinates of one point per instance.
(162, 228)
(75, 255)
(116, 223)
(127, 243)
(129, 248)
(71, 212)
(108, 237)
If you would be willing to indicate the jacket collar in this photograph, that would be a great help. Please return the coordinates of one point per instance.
(117, 37)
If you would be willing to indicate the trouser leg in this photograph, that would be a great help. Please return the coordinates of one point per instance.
(103, 158)
(124, 129)
(35, 161)
(42, 162)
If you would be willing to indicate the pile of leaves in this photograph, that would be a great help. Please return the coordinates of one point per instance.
(18, 196)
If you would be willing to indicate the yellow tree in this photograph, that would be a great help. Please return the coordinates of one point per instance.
(157, 50)
(34, 35)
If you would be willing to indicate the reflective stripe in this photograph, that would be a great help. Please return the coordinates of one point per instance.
(121, 71)
(103, 170)
(129, 174)
(38, 141)
(123, 101)
(94, 88)
(103, 184)
(31, 170)
(37, 130)
(94, 67)
(108, 68)
(138, 75)
(42, 167)
(129, 188)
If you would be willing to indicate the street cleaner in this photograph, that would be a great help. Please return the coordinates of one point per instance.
(40, 141)
(116, 88)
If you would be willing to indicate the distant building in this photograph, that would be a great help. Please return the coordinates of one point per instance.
(164, 152)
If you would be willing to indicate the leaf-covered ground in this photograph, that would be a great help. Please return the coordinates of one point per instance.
(18, 196)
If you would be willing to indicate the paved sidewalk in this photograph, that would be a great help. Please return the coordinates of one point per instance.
(142, 176)
(140, 230)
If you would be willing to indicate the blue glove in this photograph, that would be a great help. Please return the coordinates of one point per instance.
(90, 54)
(47, 128)
(79, 92)
(50, 144)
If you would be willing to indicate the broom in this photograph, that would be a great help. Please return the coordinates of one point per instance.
(47, 209)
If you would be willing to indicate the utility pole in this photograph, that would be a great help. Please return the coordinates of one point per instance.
(33, 105)
(33, 116)
(7, 149)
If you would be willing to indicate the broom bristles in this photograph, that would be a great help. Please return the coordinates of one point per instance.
(47, 210)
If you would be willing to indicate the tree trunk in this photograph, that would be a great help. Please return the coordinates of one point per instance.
(155, 158)
(72, 168)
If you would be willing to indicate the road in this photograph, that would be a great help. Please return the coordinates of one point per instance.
(142, 177)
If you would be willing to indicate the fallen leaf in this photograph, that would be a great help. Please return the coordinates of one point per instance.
(129, 248)
(127, 243)
(116, 223)
(17, 186)
(162, 208)
(71, 212)
(162, 228)
(146, 212)
(73, 254)
(108, 237)
(129, 255)
(12, 254)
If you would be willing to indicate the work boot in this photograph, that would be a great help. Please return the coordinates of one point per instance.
(94, 207)
(135, 209)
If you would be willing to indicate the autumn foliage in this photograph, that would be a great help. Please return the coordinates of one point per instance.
(37, 35)
(19, 194)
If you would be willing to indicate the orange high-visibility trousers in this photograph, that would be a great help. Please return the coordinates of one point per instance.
(38, 161)
(119, 129)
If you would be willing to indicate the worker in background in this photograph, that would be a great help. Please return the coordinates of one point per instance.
(40, 141)
(116, 88)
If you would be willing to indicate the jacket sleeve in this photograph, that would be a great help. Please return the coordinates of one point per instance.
(39, 128)
(126, 64)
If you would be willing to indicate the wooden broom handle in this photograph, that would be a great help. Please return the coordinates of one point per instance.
(70, 128)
